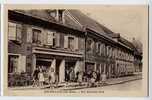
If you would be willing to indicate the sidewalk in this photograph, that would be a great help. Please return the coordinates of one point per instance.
(123, 79)
(65, 86)
(112, 81)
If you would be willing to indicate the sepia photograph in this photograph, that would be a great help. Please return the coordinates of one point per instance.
(76, 50)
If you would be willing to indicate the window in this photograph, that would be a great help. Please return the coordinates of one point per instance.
(49, 38)
(53, 39)
(56, 39)
(110, 52)
(53, 13)
(12, 63)
(14, 31)
(104, 50)
(57, 14)
(36, 36)
(71, 43)
(89, 44)
(107, 50)
(98, 47)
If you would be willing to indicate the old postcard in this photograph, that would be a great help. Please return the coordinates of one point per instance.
(76, 50)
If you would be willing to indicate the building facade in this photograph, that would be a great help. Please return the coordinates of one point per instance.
(38, 44)
(60, 40)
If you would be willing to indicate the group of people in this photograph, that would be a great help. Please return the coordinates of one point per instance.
(38, 77)
(95, 77)
(43, 76)
(90, 77)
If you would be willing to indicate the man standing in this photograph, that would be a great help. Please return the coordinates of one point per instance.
(35, 77)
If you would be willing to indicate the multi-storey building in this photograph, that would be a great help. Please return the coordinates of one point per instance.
(37, 39)
(124, 56)
(58, 40)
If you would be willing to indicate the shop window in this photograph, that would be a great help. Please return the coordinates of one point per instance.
(36, 36)
(14, 31)
(12, 63)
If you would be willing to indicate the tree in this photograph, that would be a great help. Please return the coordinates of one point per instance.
(138, 45)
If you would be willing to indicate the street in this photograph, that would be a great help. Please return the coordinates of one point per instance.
(132, 85)
(125, 83)
(135, 85)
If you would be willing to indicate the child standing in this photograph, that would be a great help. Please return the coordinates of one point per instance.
(41, 78)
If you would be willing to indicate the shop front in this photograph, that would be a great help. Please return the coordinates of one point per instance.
(59, 68)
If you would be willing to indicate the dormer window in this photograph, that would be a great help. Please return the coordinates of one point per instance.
(53, 13)
(58, 15)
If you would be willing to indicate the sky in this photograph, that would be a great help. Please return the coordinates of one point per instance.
(129, 21)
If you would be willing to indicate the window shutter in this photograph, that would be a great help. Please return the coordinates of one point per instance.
(115, 52)
(76, 43)
(65, 41)
(107, 51)
(101, 49)
(40, 37)
(92, 46)
(12, 31)
(57, 39)
(21, 64)
(50, 38)
(18, 32)
(29, 34)
(97, 47)
(15, 64)
(44, 37)
(104, 51)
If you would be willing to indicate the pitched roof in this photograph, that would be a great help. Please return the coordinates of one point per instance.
(90, 23)
(44, 15)
(86, 21)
